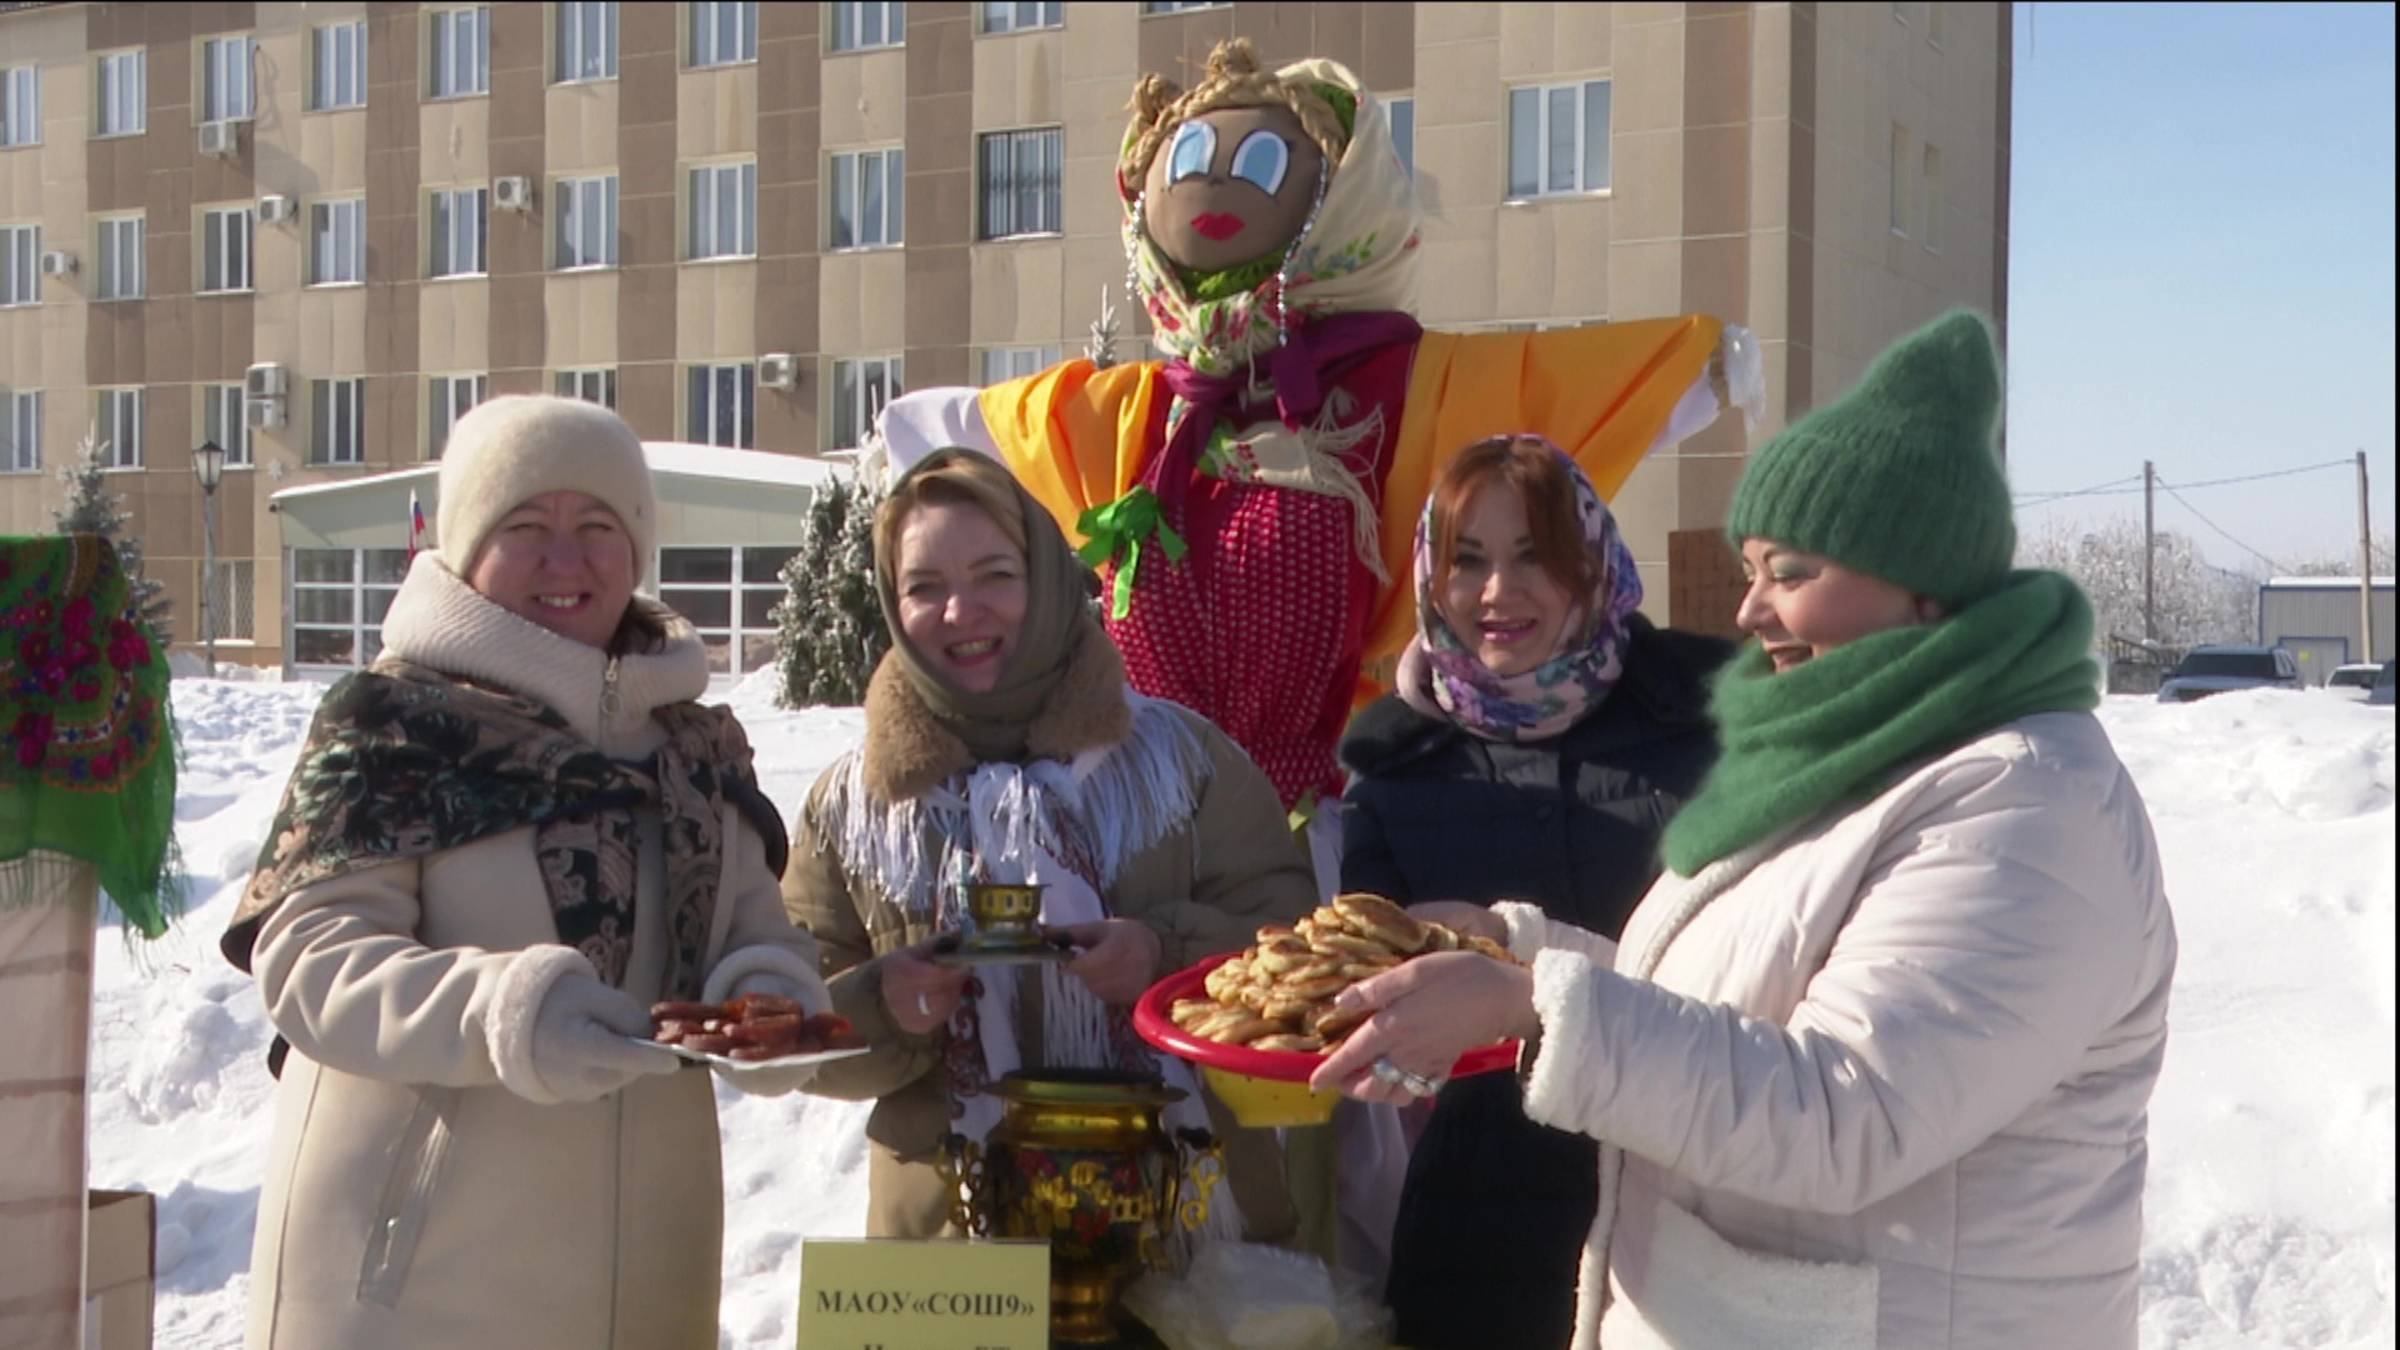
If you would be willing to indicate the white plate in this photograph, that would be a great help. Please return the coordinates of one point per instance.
(745, 1065)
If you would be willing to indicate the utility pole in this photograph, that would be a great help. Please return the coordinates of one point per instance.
(2149, 553)
(2366, 569)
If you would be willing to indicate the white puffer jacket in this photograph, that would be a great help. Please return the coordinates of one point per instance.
(1880, 1084)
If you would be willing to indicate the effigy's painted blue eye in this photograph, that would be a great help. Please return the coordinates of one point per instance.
(1263, 159)
(1194, 149)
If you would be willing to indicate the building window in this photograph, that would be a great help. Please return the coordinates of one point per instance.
(1403, 114)
(860, 24)
(587, 41)
(730, 595)
(338, 413)
(20, 264)
(587, 222)
(339, 597)
(718, 403)
(598, 385)
(23, 452)
(860, 389)
(117, 421)
(724, 33)
(120, 98)
(337, 233)
(1898, 194)
(339, 66)
(120, 252)
(1010, 363)
(233, 601)
(459, 54)
(457, 223)
(723, 215)
(1020, 182)
(867, 199)
(225, 249)
(447, 399)
(20, 106)
(222, 421)
(1000, 16)
(1933, 22)
(1558, 139)
(1929, 200)
(1179, 6)
(225, 79)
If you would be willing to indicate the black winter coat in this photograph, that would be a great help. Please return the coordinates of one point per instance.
(1495, 1210)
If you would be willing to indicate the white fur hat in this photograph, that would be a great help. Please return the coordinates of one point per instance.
(509, 449)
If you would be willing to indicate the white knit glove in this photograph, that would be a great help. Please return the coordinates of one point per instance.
(560, 1035)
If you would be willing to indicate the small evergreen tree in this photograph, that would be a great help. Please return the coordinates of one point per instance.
(1102, 349)
(92, 509)
(829, 630)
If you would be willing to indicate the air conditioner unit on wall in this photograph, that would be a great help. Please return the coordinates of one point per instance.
(58, 263)
(512, 193)
(265, 380)
(274, 207)
(779, 370)
(220, 138)
(263, 412)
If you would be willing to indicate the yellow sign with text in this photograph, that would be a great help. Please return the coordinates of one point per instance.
(890, 1294)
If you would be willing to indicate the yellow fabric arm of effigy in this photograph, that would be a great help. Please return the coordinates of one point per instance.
(1602, 393)
(1073, 434)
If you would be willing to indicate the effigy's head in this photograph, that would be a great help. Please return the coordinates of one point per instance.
(1246, 190)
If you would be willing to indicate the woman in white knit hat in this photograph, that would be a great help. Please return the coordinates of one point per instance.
(503, 842)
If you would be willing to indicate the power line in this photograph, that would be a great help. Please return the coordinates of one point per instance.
(2112, 490)
(2270, 562)
(2039, 498)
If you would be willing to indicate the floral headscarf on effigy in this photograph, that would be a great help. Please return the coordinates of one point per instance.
(1441, 676)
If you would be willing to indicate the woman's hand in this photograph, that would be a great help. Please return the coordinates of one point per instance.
(1469, 920)
(1117, 960)
(1425, 1015)
(919, 994)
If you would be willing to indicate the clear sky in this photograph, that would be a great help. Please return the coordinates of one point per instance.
(2200, 267)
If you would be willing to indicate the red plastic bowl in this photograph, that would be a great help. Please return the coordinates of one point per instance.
(1289, 1066)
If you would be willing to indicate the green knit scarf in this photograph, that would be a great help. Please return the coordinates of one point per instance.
(1830, 731)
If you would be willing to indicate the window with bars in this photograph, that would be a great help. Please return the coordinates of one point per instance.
(117, 422)
(730, 595)
(458, 52)
(23, 451)
(338, 597)
(1003, 16)
(586, 41)
(233, 601)
(1011, 363)
(722, 211)
(337, 237)
(859, 390)
(598, 385)
(860, 24)
(724, 33)
(119, 250)
(119, 95)
(587, 222)
(338, 421)
(225, 248)
(867, 199)
(1403, 114)
(447, 399)
(338, 66)
(718, 404)
(222, 421)
(1019, 172)
(225, 79)
(20, 106)
(1558, 139)
(458, 224)
(20, 264)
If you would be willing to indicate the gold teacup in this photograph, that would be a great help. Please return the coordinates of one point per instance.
(1005, 914)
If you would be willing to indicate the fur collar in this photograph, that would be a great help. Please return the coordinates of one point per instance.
(909, 751)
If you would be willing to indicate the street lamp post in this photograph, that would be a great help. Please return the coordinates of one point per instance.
(209, 463)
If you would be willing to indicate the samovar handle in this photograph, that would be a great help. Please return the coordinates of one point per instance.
(960, 1165)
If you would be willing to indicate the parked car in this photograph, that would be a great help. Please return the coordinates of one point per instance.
(2222, 669)
(2382, 692)
(2356, 679)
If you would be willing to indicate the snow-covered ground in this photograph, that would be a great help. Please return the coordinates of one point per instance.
(2271, 1203)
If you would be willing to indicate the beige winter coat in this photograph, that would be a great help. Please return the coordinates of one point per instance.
(1204, 886)
(1884, 1085)
(413, 1199)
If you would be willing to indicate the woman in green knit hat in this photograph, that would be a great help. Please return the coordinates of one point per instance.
(1871, 1062)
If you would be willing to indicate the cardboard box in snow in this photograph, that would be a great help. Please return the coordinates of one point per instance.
(120, 1265)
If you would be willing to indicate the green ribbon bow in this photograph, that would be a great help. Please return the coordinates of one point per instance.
(1121, 526)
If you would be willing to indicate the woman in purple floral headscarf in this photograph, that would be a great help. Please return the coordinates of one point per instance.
(1542, 734)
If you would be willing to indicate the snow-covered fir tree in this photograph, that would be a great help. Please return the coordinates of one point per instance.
(1102, 349)
(829, 631)
(91, 508)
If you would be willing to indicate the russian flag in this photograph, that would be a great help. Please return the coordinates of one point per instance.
(416, 526)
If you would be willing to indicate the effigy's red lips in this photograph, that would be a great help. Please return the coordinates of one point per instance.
(1217, 224)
